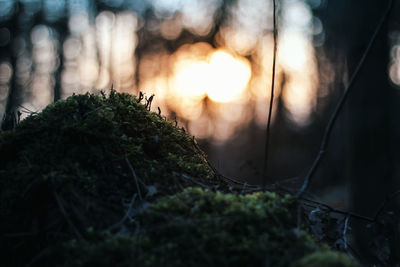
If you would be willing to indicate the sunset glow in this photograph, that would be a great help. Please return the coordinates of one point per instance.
(229, 76)
(219, 75)
(213, 89)
(296, 55)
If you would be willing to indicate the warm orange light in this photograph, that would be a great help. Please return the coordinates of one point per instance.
(190, 78)
(294, 51)
(220, 76)
(297, 57)
(229, 76)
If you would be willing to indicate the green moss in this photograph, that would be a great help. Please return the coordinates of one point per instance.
(101, 181)
(199, 227)
(88, 155)
(325, 258)
(87, 137)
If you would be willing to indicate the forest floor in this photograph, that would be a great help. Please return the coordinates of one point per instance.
(99, 180)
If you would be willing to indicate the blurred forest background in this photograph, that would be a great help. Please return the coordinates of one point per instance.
(209, 64)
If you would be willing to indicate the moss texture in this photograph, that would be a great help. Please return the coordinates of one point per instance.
(216, 229)
(326, 259)
(199, 227)
(101, 181)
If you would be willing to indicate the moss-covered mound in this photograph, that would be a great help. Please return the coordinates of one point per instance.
(202, 228)
(100, 181)
(80, 159)
(104, 144)
(218, 229)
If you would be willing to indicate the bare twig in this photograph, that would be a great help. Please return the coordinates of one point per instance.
(64, 213)
(385, 203)
(271, 101)
(187, 177)
(27, 161)
(94, 110)
(244, 187)
(134, 176)
(140, 98)
(149, 101)
(275, 219)
(251, 187)
(334, 210)
(27, 110)
(339, 106)
(126, 216)
(346, 226)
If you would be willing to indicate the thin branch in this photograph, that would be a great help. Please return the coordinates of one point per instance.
(385, 203)
(126, 216)
(187, 177)
(271, 101)
(134, 176)
(94, 110)
(338, 211)
(27, 110)
(339, 106)
(244, 187)
(346, 226)
(64, 212)
(275, 219)
(219, 175)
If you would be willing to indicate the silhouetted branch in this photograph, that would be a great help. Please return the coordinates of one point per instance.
(338, 211)
(339, 106)
(385, 203)
(134, 176)
(64, 212)
(126, 216)
(271, 101)
(345, 228)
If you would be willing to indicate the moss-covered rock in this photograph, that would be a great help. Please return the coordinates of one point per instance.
(101, 181)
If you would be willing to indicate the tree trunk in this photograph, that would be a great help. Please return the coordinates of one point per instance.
(371, 158)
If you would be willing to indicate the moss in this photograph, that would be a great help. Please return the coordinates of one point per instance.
(87, 137)
(101, 181)
(105, 250)
(84, 157)
(199, 227)
(325, 258)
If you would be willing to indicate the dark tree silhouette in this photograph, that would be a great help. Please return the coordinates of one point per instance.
(371, 152)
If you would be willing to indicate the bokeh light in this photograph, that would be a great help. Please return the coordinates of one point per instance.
(212, 89)
(218, 75)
